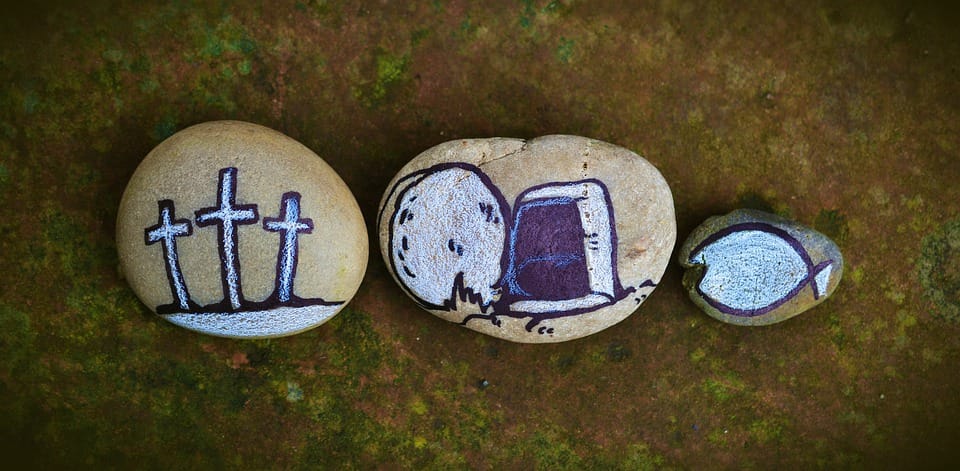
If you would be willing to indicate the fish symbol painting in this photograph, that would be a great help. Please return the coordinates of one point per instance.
(749, 269)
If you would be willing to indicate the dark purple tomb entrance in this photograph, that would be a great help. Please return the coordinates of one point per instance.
(546, 260)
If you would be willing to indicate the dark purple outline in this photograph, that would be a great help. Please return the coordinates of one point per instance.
(812, 270)
(224, 306)
(282, 217)
(502, 305)
(458, 290)
(221, 223)
(174, 273)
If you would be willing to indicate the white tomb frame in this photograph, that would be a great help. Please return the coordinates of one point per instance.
(598, 244)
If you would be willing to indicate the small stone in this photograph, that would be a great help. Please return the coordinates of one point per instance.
(755, 268)
(531, 241)
(235, 230)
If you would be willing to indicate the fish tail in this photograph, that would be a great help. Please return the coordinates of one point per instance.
(820, 278)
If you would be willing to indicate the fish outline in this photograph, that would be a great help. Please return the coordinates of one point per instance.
(816, 274)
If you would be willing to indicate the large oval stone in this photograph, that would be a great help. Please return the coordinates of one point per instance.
(531, 241)
(235, 230)
(755, 268)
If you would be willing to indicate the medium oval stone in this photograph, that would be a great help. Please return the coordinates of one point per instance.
(531, 241)
(755, 268)
(236, 230)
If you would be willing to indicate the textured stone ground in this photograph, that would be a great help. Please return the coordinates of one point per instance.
(844, 117)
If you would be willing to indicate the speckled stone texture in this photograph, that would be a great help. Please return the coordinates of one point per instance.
(531, 241)
(755, 268)
(233, 229)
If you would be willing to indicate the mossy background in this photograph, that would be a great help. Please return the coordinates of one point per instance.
(842, 115)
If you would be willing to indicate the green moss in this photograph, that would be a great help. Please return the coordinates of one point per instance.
(95, 309)
(835, 328)
(228, 36)
(905, 321)
(640, 458)
(697, 355)
(112, 55)
(617, 352)
(345, 437)
(754, 200)
(894, 295)
(244, 67)
(718, 436)
(565, 50)
(553, 7)
(65, 243)
(833, 224)
(4, 176)
(390, 71)
(722, 388)
(294, 392)
(31, 101)
(417, 406)
(227, 72)
(17, 343)
(360, 348)
(549, 451)
(563, 363)
(164, 128)
(939, 270)
(466, 27)
(526, 17)
(856, 275)
(419, 35)
(766, 431)
(717, 389)
(149, 85)
(81, 178)
(931, 356)
(140, 65)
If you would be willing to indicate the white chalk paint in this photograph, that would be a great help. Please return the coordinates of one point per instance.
(229, 216)
(823, 280)
(167, 231)
(448, 223)
(541, 307)
(256, 324)
(750, 270)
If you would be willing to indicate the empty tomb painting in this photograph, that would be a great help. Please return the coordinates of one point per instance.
(455, 242)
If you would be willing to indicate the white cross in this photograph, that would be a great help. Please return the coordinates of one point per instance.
(288, 224)
(167, 230)
(226, 216)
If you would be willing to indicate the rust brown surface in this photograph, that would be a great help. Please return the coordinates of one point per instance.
(844, 117)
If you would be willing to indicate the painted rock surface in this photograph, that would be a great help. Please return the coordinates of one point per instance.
(531, 241)
(755, 268)
(235, 230)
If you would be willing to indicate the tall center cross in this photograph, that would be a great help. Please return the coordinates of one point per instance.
(227, 215)
(289, 225)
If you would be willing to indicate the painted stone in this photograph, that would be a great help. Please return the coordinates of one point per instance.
(531, 241)
(755, 268)
(235, 230)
